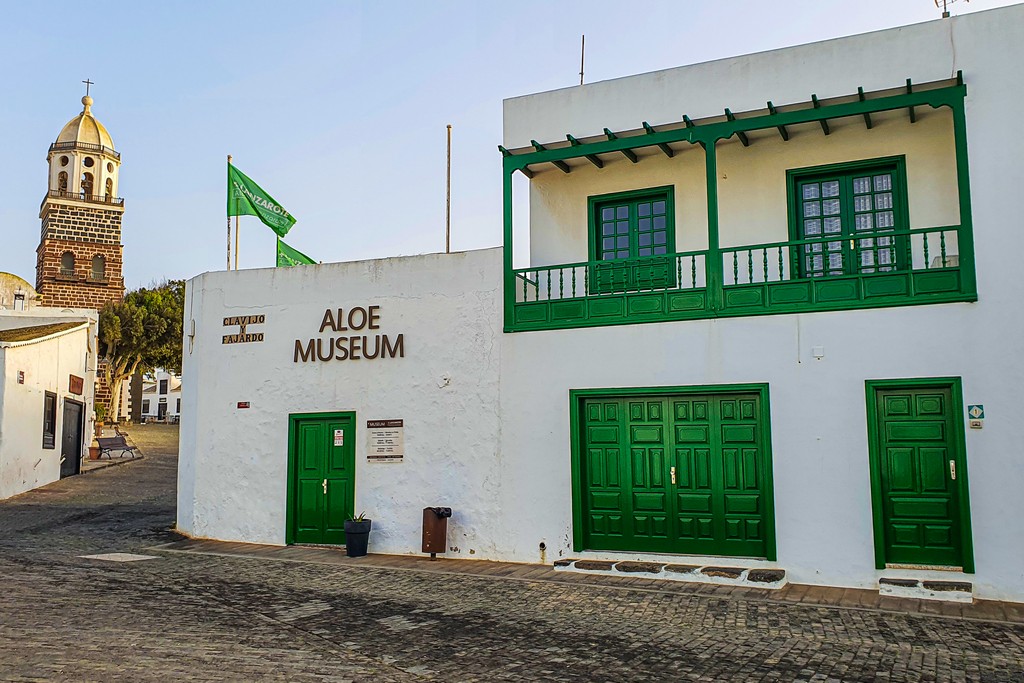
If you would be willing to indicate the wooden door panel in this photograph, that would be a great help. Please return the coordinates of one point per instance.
(715, 504)
(339, 471)
(650, 485)
(606, 499)
(309, 512)
(323, 472)
(739, 493)
(919, 496)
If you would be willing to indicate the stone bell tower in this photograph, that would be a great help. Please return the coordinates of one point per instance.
(79, 259)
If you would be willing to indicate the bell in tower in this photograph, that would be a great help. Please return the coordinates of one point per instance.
(79, 259)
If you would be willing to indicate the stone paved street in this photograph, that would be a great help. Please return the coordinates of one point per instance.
(204, 617)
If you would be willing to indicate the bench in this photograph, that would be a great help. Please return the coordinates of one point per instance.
(108, 444)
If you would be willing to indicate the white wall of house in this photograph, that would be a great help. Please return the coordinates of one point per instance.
(152, 398)
(487, 414)
(819, 435)
(233, 476)
(47, 365)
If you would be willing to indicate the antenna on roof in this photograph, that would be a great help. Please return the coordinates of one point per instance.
(583, 50)
(944, 5)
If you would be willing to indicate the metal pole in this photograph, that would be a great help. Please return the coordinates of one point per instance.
(229, 226)
(448, 198)
(583, 50)
(236, 242)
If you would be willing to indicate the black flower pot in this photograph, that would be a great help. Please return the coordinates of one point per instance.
(357, 534)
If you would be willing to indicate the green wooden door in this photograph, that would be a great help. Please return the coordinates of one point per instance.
(921, 466)
(675, 474)
(322, 463)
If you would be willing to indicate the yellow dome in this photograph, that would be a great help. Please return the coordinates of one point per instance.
(84, 128)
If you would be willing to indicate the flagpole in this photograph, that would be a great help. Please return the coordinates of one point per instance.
(229, 225)
(236, 242)
(448, 198)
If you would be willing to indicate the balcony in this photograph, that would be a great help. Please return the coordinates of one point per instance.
(864, 232)
(754, 279)
(82, 197)
(85, 147)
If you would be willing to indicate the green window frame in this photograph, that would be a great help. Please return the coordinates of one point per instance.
(848, 217)
(632, 239)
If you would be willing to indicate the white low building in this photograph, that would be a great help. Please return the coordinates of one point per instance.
(161, 397)
(767, 320)
(47, 379)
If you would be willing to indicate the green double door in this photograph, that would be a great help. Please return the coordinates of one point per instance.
(321, 478)
(683, 474)
(920, 474)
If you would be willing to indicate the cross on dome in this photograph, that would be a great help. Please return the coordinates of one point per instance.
(87, 101)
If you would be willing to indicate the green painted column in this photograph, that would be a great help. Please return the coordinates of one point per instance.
(713, 264)
(508, 280)
(969, 284)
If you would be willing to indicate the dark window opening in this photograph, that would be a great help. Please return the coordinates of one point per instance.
(49, 420)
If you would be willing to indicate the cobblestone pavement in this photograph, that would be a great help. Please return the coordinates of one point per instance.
(200, 617)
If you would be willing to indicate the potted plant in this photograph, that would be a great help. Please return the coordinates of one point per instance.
(357, 534)
(101, 412)
(94, 449)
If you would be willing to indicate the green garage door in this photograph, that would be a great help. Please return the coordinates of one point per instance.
(676, 474)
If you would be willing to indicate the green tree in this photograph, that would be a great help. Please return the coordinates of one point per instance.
(142, 332)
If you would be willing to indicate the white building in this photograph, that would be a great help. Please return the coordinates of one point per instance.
(47, 379)
(161, 397)
(760, 295)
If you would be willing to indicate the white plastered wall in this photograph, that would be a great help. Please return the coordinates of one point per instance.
(47, 365)
(232, 477)
(505, 467)
(819, 435)
(752, 192)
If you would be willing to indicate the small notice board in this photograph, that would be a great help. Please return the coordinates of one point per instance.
(385, 440)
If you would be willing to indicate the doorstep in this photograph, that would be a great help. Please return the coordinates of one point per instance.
(746, 577)
(926, 589)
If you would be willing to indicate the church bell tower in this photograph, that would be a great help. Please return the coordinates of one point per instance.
(79, 259)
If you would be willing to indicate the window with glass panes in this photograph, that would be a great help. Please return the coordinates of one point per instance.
(634, 225)
(857, 205)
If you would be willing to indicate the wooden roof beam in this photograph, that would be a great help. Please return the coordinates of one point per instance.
(740, 134)
(867, 116)
(823, 122)
(592, 158)
(661, 145)
(525, 170)
(910, 91)
(628, 153)
(561, 165)
(782, 129)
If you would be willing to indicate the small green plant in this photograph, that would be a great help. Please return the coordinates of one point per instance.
(361, 517)
(101, 412)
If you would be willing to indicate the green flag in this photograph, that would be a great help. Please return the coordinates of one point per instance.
(290, 256)
(246, 198)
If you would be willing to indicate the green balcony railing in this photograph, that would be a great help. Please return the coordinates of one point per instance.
(605, 292)
(893, 268)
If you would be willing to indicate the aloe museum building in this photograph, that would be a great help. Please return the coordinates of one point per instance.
(766, 317)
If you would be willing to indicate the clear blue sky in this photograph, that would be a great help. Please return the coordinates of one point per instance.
(338, 109)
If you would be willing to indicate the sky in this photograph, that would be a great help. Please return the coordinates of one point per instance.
(337, 109)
